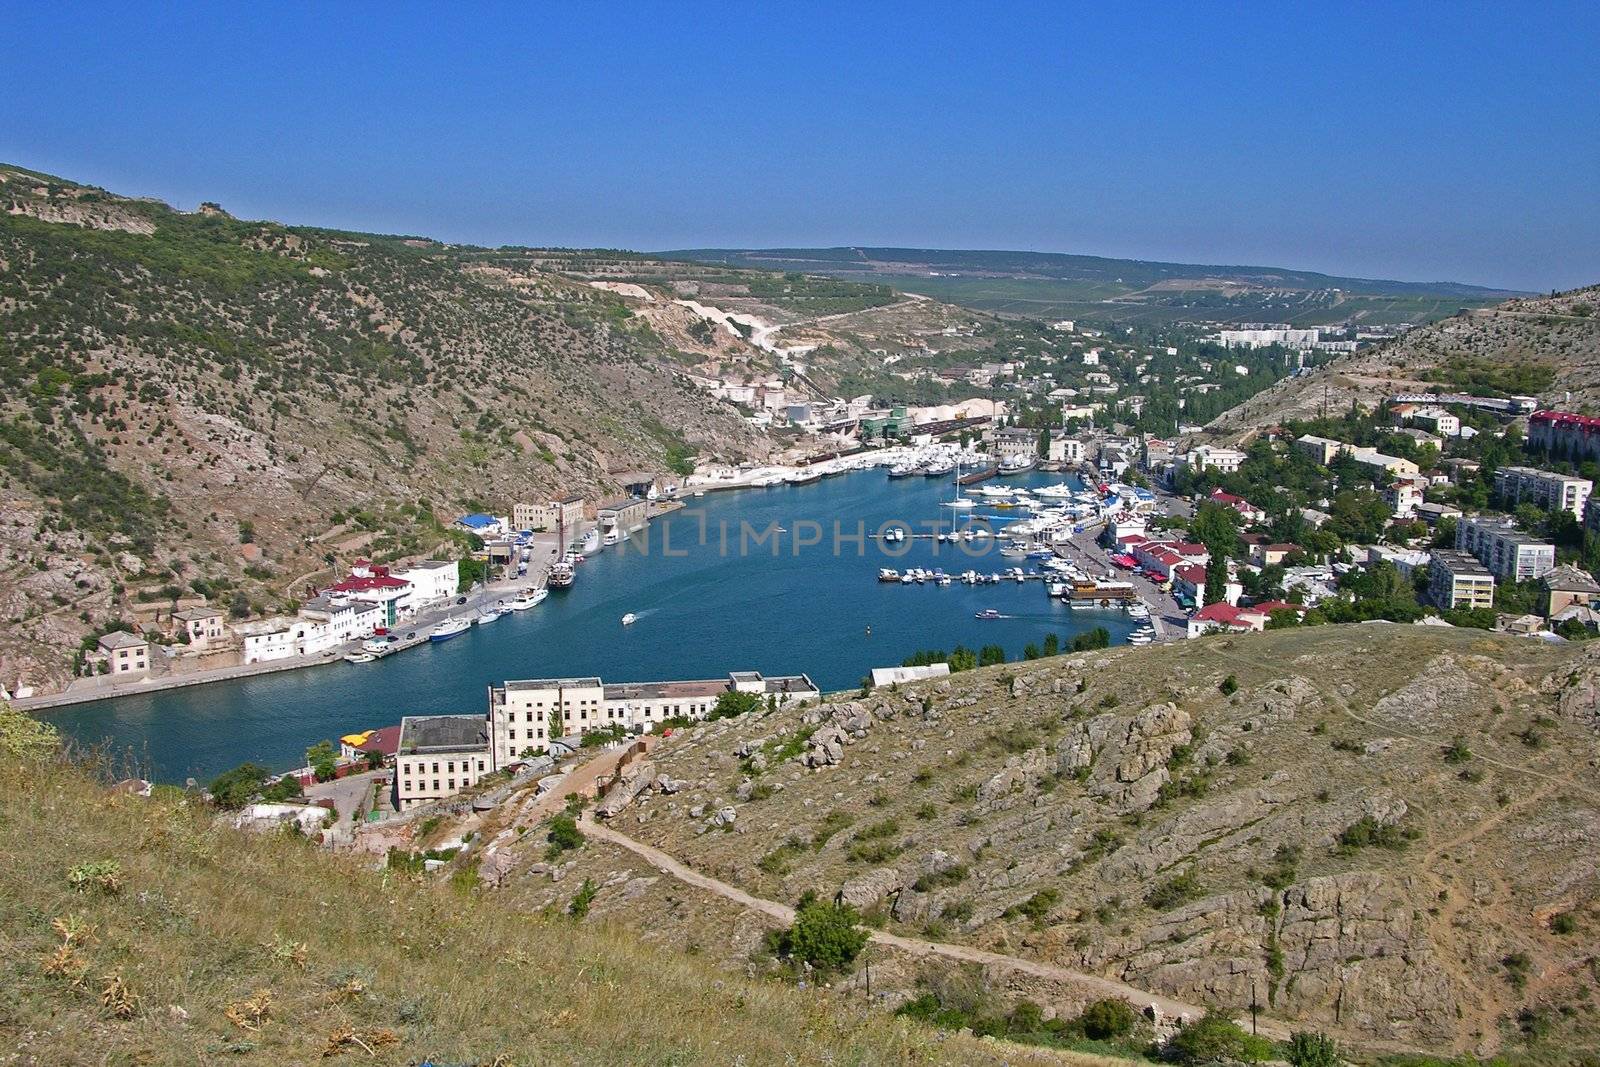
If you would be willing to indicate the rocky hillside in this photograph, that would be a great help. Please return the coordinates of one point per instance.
(1547, 347)
(1383, 832)
(198, 404)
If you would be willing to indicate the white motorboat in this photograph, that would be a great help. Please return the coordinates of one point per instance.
(489, 615)
(532, 598)
(629, 619)
(375, 647)
(888, 574)
(360, 657)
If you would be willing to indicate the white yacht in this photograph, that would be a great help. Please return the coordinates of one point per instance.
(629, 619)
(489, 615)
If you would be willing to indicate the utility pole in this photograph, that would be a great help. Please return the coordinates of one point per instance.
(1253, 1005)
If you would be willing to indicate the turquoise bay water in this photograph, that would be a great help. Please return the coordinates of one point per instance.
(714, 587)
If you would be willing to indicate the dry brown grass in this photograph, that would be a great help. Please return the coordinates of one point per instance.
(223, 947)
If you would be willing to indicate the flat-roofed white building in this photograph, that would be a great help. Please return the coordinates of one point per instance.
(433, 581)
(438, 756)
(1511, 554)
(1545, 489)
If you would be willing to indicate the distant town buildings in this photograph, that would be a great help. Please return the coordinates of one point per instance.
(1565, 434)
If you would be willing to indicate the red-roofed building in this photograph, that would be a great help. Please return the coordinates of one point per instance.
(1564, 433)
(373, 584)
(1248, 511)
(1215, 617)
(386, 741)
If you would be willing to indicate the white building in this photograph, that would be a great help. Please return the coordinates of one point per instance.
(1285, 336)
(1509, 553)
(1403, 496)
(1222, 460)
(331, 619)
(1544, 489)
(439, 755)
(1438, 420)
(125, 652)
(882, 676)
(433, 581)
(267, 639)
(1457, 580)
(528, 714)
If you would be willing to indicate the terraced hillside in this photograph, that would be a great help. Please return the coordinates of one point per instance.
(1381, 831)
(1547, 347)
(194, 403)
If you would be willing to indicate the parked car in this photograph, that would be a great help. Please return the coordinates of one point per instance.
(461, 600)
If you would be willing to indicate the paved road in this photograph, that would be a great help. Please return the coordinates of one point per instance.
(1095, 985)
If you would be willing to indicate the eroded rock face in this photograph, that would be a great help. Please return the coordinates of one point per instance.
(1431, 700)
(866, 890)
(635, 779)
(1126, 757)
(1352, 953)
(1019, 773)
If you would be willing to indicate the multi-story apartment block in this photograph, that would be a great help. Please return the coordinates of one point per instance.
(1553, 492)
(1458, 580)
(1511, 554)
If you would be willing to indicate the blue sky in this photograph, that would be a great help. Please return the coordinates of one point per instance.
(1420, 141)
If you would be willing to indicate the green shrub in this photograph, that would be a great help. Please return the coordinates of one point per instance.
(1368, 832)
(1180, 889)
(1217, 1039)
(824, 935)
(579, 907)
(1107, 1019)
(1563, 923)
(1308, 1049)
(1229, 686)
(1037, 907)
(563, 836)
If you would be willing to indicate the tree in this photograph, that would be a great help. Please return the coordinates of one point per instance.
(989, 655)
(1216, 578)
(732, 704)
(563, 836)
(323, 761)
(823, 935)
(24, 737)
(963, 659)
(1217, 527)
(1044, 443)
(374, 759)
(234, 789)
(1217, 1039)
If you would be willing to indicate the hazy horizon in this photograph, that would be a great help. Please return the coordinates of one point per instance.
(1426, 145)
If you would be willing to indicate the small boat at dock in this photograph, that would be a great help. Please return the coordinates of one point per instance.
(360, 657)
(532, 598)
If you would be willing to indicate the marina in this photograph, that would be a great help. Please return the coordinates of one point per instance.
(798, 600)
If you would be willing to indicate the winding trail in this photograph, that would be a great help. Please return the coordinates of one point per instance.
(1093, 984)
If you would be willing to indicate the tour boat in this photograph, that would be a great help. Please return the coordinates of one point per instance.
(629, 619)
(988, 613)
(902, 470)
(449, 628)
(532, 598)
(611, 538)
(804, 477)
(360, 657)
(561, 575)
(376, 647)
(938, 469)
(1017, 464)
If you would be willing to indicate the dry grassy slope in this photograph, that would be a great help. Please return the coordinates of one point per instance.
(1547, 331)
(1046, 776)
(206, 918)
(251, 372)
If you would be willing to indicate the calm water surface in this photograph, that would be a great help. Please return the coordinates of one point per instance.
(715, 591)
